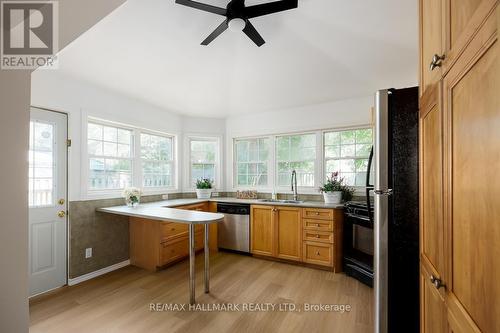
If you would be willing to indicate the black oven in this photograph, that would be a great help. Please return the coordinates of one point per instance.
(358, 242)
(358, 235)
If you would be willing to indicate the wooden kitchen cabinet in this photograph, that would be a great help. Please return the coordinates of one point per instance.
(276, 231)
(309, 235)
(262, 230)
(464, 106)
(288, 226)
(431, 180)
(433, 310)
(431, 41)
(446, 29)
(472, 113)
(155, 244)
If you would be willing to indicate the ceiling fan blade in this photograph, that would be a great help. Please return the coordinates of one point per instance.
(252, 33)
(220, 29)
(270, 8)
(202, 6)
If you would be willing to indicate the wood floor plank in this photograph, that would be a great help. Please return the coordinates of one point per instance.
(120, 301)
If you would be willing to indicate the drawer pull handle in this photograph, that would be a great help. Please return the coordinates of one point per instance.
(317, 224)
(317, 236)
(317, 253)
(438, 283)
(317, 213)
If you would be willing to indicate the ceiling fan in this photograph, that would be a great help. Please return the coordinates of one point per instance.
(238, 15)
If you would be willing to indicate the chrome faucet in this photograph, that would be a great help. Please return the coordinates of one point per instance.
(294, 185)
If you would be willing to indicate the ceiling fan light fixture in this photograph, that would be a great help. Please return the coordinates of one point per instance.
(237, 24)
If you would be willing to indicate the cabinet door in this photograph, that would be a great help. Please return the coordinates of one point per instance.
(262, 230)
(431, 25)
(432, 306)
(472, 118)
(288, 233)
(431, 181)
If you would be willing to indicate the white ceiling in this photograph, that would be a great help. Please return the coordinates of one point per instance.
(323, 51)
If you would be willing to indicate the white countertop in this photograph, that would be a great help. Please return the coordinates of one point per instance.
(160, 212)
(165, 211)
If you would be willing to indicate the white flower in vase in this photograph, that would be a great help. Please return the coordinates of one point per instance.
(132, 196)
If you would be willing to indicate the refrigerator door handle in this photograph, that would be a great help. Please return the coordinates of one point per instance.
(381, 211)
(387, 192)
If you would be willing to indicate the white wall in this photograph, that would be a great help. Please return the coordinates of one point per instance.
(75, 16)
(340, 114)
(55, 91)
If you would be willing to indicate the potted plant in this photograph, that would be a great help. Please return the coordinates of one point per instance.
(334, 190)
(132, 196)
(204, 188)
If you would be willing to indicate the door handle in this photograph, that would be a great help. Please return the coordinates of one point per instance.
(437, 61)
(438, 283)
(61, 213)
(61, 201)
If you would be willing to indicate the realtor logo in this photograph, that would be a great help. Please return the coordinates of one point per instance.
(29, 34)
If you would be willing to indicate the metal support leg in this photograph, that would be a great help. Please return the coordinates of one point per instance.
(207, 260)
(192, 257)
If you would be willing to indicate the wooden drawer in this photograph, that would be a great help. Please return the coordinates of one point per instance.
(318, 253)
(199, 207)
(169, 230)
(171, 251)
(318, 236)
(179, 248)
(318, 213)
(320, 225)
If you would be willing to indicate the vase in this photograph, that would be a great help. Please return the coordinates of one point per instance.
(333, 197)
(204, 193)
(132, 202)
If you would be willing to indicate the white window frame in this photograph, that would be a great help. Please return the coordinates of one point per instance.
(158, 189)
(218, 159)
(102, 192)
(357, 189)
(92, 194)
(302, 189)
(319, 165)
(270, 167)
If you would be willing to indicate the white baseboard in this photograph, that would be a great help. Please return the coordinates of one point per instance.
(91, 275)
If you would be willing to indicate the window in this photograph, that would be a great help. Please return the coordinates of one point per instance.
(252, 159)
(347, 152)
(203, 159)
(41, 164)
(110, 157)
(156, 160)
(296, 152)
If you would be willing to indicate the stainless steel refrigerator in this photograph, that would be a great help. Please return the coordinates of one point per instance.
(396, 206)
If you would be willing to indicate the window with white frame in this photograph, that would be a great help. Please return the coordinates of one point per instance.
(157, 160)
(110, 157)
(203, 159)
(251, 161)
(347, 152)
(296, 152)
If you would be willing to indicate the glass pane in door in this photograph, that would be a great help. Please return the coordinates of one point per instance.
(41, 164)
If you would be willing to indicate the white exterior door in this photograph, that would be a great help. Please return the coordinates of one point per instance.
(47, 200)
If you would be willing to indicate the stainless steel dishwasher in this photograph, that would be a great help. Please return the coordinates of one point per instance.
(234, 232)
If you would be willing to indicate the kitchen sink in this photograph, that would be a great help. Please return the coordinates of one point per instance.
(282, 201)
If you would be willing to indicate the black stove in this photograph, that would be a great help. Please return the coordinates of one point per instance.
(358, 241)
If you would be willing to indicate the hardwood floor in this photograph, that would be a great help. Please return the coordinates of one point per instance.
(120, 301)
